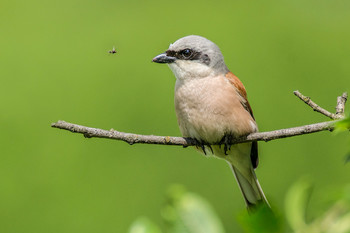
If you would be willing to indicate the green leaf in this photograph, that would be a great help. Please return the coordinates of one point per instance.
(187, 212)
(342, 225)
(144, 225)
(336, 219)
(296, 203)
(343, 125)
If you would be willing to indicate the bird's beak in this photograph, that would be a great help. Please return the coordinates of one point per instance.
(163, 58)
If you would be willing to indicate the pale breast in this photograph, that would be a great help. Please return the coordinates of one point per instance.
(209, 108)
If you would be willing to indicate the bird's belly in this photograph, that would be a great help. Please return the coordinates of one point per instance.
(208, 109)
(203, 125)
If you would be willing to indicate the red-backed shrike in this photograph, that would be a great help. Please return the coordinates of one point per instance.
(212, 107)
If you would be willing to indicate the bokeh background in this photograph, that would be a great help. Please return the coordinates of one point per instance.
(54, 65)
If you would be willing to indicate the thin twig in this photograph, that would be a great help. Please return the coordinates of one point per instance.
(340, 109)
(314, 106)
(181, 141)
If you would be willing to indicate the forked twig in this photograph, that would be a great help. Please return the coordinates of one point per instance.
(314, 106)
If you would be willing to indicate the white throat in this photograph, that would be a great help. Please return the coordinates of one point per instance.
(183, 69)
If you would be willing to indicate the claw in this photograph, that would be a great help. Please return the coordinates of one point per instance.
(203, 149)
(211, 149)
(226, 140)
(201, 145)
(225, 149)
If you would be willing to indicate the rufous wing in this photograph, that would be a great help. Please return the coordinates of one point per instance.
(242, 92)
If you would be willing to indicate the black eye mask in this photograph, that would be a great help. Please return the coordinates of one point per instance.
(189, 54)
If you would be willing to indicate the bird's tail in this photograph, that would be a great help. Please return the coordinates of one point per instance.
(250, 188)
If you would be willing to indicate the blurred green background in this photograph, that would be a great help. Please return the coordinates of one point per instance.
(54, 65)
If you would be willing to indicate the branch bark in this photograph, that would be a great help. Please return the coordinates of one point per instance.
(182, 141)
(341, 100)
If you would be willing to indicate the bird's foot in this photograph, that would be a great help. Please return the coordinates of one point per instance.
(203, 146)
(227, 141)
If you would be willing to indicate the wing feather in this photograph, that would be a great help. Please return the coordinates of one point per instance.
(243, 93)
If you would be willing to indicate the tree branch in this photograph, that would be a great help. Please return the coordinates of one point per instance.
(181, 141)
(314, 106)
(341, 100)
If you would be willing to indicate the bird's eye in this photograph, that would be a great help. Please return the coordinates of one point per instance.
(186, 53)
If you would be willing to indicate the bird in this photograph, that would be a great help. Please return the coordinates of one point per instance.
(212, 107)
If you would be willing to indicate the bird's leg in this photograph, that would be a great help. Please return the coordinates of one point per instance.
(202, 144)
(226, 140)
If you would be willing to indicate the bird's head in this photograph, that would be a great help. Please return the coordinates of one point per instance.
(193, 57)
